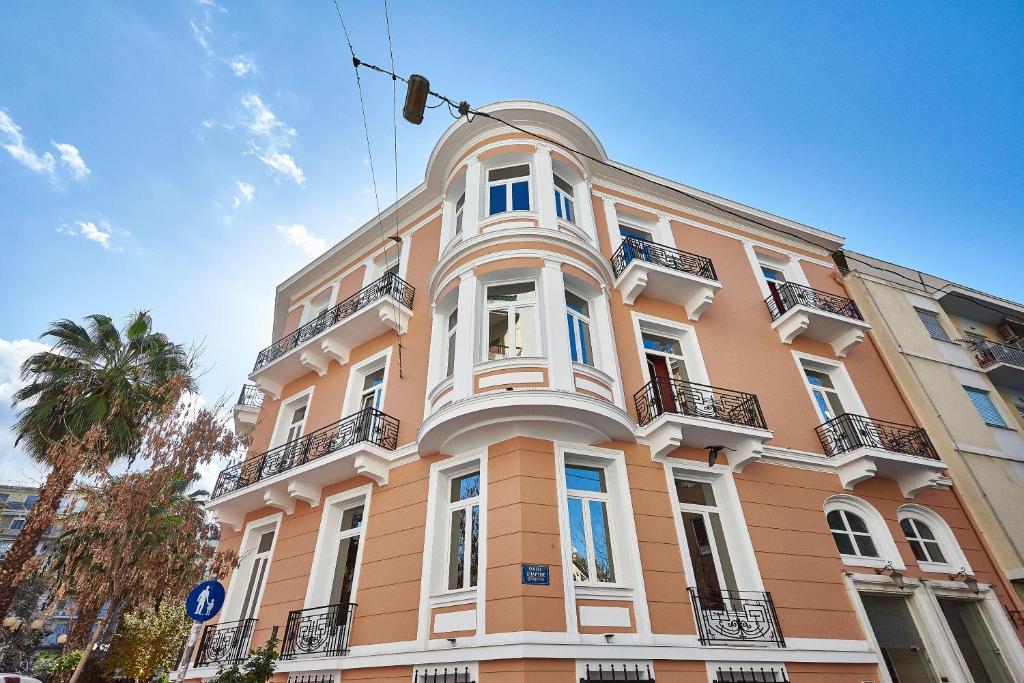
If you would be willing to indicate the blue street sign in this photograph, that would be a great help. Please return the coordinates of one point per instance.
(205, 601)
(536, 574)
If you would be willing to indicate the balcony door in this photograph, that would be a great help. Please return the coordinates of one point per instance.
(706, 545)
(347, 539)
(898, 638)
(666, 368)
(973, 638)
(253, 571)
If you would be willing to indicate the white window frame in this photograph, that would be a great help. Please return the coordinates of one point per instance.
(564, 203)
(578, 320)
(685, 334)
(310, 311)
(284, 413)
(487, 307)
(356, 376)
(468, 505)
(841, 380)
(956, 560)
(325, 555)
(450, 359)
(788, 264)
(11, 526)
(488, 183)
(459, 215)
(888, 552)
(250, 541)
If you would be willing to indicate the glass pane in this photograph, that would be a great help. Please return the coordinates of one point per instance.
(579, 478)
(266, 540)
(974, 640)
(695, 492)
(520, 292)
(474, 544)
(352, 518)
(897, 635)
(450, 361)
(563, 185)
(627, 231)
(844, 543)
(825, 410)
(866, 546)
(497, 335)
(578, 541)
(856, 523)
(460, 202)
(573, 350)
(299, 414)
(918, 550)
(526, 331)
(773, 274)
(908, 528)
(457, 549)
(570, 211)
(374, 379)
(585, 348)
(521, 196)
(702, 559)
(577, 303)
(497, 199)
(453, 319)
(654, 342)
(923, 530)
(985, 407)
(466, 486)
(508, 172)
(558, 203)
(724, 559)
(835, 521)
(819, 379)
(344, 570)
(603, 560)
(934, 551)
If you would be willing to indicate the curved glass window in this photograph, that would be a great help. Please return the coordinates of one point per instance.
(508, 189)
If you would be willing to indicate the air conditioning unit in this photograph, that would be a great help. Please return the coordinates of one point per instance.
(1008, 333)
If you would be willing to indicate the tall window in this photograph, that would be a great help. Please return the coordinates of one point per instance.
(30, 500)
(705, 538)
(825, 394)
(17, 524)
(453, 324)
(511, 320)
(463, 531)
(256, 574)
(666, 368)
(292, 421)
(974, 639)
(593, 559)
(508, 189)
(932, 324)
(986, 409)
(564, 207)
(460, 204)
(922, 541)
(577, 314)
(851, 534)
(373, 389)
(347, 540)
(903, 650)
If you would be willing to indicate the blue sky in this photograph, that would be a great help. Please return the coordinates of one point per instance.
(185, 157)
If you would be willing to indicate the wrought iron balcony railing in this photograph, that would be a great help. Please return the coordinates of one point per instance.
(789, 295)
(990, 353)
(318, 631)
(389, 285)
(369, 424)
(849, 432)
(726, 616)
(225, 643)
(251, 396)
(751, 675)
(666, 395)
(621, 672)
(448, 674)
(661, 255)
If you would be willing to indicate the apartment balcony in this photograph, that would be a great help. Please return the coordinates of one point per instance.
(726, 617)
(224, 643)
(863, 447)
(666, 274)
(383, 305)
(318, 632)
(1002, 363)
(673, 413)
(798, 310)
(360, 444)
(247, 409)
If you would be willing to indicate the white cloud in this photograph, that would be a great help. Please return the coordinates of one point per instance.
(272, 138)
(14, 463)
(246, 191)
(72, 158)
(300, 236)
(91, 231)
(242, 65)
(201, 35)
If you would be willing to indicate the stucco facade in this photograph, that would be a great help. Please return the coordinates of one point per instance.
(483, 447)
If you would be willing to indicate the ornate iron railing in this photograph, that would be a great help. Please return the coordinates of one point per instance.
(318, 631)
(1016, 617)
(666, 395)
(849, 432)
(790, 294)
(622, 672)
(251, 396)
(726, 616)
(444, 675)
(369, 424)
(751, 675)
(661, 255)
(225, 643)
(990, 352)
(389, 285)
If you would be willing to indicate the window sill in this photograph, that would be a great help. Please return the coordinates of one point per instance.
(937, 568)
(518, 362)
(873, 562)
(1006, 427)
(603, 590)
(454, 597)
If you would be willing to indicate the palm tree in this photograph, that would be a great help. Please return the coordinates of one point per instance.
(85, 403)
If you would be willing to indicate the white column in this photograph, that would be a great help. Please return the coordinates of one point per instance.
(447, 223)
(611, 217)
(552, 291)
(472, 209)
(585, 210)
(544, 190)
(465, 338)
(665, 235)
(607, 355)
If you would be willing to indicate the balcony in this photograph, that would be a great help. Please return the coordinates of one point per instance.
(863, 447)
(673, 413)
(798, 310)
(247, 409)
(727, 617)
(383, 305)
(224, 643)
(360, 444)
(664, 273)
(1002, 363)
(318, 631)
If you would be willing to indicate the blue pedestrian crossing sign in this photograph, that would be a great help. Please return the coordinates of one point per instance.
(205, 601)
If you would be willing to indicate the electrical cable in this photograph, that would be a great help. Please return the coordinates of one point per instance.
(394, 138)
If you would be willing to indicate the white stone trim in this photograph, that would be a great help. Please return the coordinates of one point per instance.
(322, 569)
(888, 553)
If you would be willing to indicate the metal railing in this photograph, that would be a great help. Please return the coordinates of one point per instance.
(727, 616)
(389, 285)
(849, 432)
(990, 353)
(661, 255)
(789, 295)
(666, 395)
(621, 672)
(225, 643)
(444, 675)
(751, 675)
(369, 424)
(250, 396)
(318, 631)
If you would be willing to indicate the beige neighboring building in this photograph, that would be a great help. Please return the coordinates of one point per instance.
(959, 355)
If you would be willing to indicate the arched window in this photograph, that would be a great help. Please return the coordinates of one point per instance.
(860, 534)
(931, 540)
(922, 540)
(851, 534)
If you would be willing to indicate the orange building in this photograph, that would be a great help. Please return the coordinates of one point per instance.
(569, 421)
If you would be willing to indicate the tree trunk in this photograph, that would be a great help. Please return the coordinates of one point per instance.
(82, 628)
(42, 516)
(87, 651)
